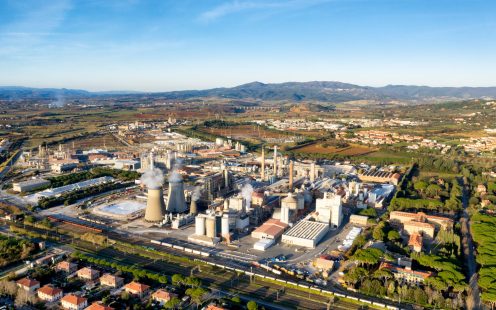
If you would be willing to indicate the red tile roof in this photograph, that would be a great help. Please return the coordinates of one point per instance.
(26, 282)
(49, 290)
(73, 299)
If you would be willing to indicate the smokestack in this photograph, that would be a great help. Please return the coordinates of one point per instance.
(312, 172)
(291, 168)
(193, 209)
(275, 160)
(155, 209)
(262, 172)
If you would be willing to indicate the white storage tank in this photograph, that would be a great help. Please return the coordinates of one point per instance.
(200, 225)
(211, 228)
(225, 225)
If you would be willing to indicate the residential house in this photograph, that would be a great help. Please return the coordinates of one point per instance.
(88, 273)
(49, 293)
(66, 266)
(136, 288)
(111, 280)
(73, 302)
(162, 296)
(29, 285)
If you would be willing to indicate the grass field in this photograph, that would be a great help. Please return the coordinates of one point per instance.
(247, 132)
(351, 150)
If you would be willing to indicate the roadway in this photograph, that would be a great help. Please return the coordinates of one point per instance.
(473, 299)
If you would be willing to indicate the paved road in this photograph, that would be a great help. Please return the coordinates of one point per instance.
(473, 299)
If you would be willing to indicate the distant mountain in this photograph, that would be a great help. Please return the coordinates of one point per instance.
(290, 91)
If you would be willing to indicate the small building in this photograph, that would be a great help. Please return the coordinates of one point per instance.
(413, 227)
(111, 280)
(271, 229)
(305, 233)
(29, 185)
(66, 266)
(263, 244)
(162, 296)
(360, 220)
(98, 306)
(415, 242)
(49, 293)
(136, 288)
(27, 284)
(481, 189)
(323, 262)
(73, 302)
(406, 274)
(88, 273)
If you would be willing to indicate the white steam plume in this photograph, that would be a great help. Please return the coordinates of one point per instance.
(195, 196)
(246, 192)
(153, 178)
(174, 175)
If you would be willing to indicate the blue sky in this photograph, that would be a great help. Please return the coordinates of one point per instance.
(193, 44)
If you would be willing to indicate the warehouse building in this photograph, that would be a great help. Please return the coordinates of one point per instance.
(306, 233)
(30, 185)
(272, 229)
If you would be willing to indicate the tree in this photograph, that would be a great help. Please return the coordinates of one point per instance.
(355, 275)
(251, 305)
(172, 303)
(236, 300)
(196, 294)
(379, 233)
(393, 235)
(177, 279)
(369, 256)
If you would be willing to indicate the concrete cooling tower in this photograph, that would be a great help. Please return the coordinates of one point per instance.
(155, 208)
(175, 199)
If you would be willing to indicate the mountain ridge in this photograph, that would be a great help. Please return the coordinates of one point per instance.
(325, 91)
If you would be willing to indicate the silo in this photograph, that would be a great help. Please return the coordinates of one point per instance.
(200, 225)
(210, 227)
(155, 209)
(225, 225)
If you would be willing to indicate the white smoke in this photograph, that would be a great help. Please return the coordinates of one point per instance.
(174, 175)
(246, 192)
(59, 101)
(153, 178)
(195, 196)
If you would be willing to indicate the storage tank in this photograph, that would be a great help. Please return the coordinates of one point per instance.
(200, 225)
(225, 225)
(155, 208)
(210, 227)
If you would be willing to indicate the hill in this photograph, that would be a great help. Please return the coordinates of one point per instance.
(290, 91)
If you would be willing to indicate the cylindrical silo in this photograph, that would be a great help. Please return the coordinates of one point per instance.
(193, 209)
(225, 225)
(200, 225)
(210, 226)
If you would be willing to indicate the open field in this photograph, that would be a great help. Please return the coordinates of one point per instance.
(247, 132)
(351, 150)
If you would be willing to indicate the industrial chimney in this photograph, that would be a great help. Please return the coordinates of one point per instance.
(291, 176)
(262, 169)
(275, 160)
(193, 208)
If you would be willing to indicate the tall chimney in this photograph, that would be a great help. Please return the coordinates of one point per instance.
(291, 176)
(275, 160)
(262, 172)
(193, 208)
(312, 172)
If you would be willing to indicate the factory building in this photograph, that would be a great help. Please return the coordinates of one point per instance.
(329, 209)
(272, 229)
(305, 233)
(217, 185)
(30, 185)
(206, 231)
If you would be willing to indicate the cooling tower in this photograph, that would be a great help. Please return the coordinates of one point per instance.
(175, 199)
(211, 227)
(193, 209)
(200, 225)
(155, 209)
